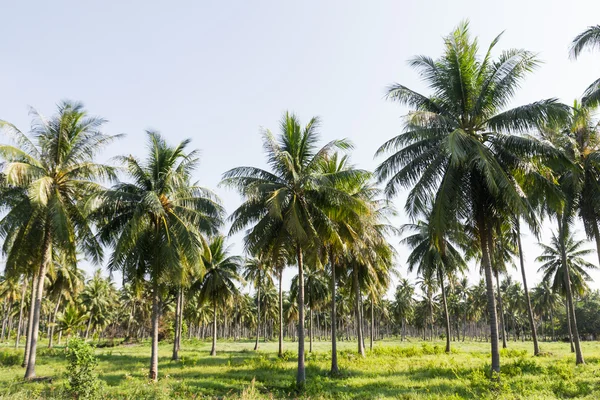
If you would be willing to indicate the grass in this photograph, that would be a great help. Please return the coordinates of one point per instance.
(393, 370)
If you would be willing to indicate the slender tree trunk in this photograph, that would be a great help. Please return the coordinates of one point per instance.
(445, 305)
(22, 305)
(359, 333)
(258, 316)
(501, 307)
(552, 325)
(334, 363)
(180, 325)
(301, 375)
(567, 277)
(175, 355)
(536, 347)
(280, 313)
(372, 325)
(597, 240)
(213, 351)
(310, 329)
(51, 334)
(89, 325)
(568, 315)
(37, 305)
(491, 300)
(153, 375)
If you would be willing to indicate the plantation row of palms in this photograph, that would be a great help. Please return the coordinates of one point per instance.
(475, 171)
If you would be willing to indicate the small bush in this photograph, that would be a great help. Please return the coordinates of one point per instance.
(9, 358)
(83, 383)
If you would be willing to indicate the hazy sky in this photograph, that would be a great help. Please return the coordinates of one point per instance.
(218, 71)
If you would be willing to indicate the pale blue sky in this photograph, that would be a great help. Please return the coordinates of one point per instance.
(217, 71)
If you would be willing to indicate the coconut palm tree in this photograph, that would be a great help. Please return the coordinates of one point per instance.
(317, 294)
(589, 39)
(461, 144)
(72, 320)
(546, 301)
(561, 257)
(156, 223)
(257, 271)
(218, 285)
(55, 165)
(403, 305)
(289, 202)
(65, 283)
(440, 258)
(97, 297)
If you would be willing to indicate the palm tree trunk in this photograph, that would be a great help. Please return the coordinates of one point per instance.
(536, 347)
(180, 324)
(280, 313)
(359, 333)
(310, 329)
(334, 363)
(597, 240)
(301, 375)
(51, 334)
(552, 325)
(501, 307)
(155, 320)
(37, 305)
(258, 315)
(491, 298)
(22, 305)
(445, 305)
(89, 325)
(372, 325)
(175, 355)
(568, 314)
(213, 351)
(567, 277)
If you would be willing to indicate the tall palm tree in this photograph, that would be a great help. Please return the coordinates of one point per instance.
(289, 202)
(461, 145)
(66, 282)
(317, 294)
(403, 305)
(156, 223)
(440, 258)
(218, 285)
(564, 267)
(546, 301)
(257, 271)
(97, 297)
(55, 165)
(589, 39)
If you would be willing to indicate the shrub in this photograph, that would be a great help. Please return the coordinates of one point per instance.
(83, 383)
(9, 358)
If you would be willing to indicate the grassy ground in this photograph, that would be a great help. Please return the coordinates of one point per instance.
(393, 370)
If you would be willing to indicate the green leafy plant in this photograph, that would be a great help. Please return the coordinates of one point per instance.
(83, 382)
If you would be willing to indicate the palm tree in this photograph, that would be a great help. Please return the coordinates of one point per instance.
(258, 272)
(55, 165)
(97, 297)
(564, 267)
(317, 294)
(461, 146)
(546, 301)
(403, 305)
(289, 202)
(72, 319)
(218, 286)
(66, 282)
(440, 258)
(156, 223)
(588, 40)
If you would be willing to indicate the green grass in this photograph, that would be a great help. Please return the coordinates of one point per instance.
(393, 370)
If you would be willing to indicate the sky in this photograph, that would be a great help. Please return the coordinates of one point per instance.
(220, 71)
